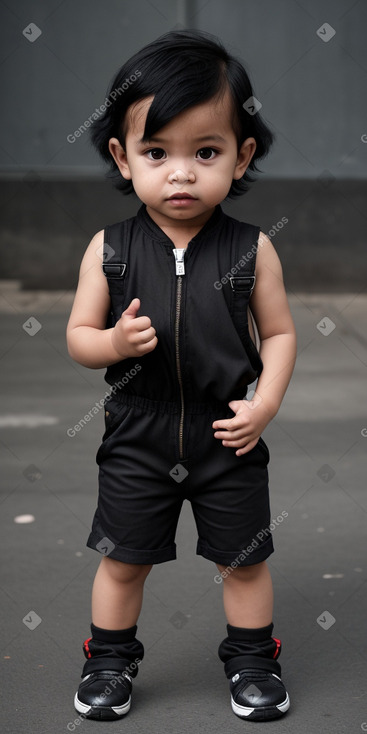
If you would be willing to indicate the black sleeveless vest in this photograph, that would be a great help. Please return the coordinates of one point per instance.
(204, 351)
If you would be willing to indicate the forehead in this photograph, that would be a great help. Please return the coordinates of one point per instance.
(214, 113)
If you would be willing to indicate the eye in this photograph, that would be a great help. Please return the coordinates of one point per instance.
(206, 154)
(155, 154)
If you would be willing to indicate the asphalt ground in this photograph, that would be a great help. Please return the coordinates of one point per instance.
(318, 445)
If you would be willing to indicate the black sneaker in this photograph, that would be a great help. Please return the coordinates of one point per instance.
(104, 695)
(258, 695)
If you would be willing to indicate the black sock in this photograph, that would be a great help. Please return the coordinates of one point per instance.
(113, 636)
(250, 648)
(113, 650)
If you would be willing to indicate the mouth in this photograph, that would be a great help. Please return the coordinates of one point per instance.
(183, 195)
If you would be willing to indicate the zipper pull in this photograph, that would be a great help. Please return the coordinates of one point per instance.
(179, 258)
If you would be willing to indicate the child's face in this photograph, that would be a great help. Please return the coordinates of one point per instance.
(196, 154)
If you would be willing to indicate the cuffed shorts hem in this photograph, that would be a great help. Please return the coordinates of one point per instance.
(248, 556)
(130, 555)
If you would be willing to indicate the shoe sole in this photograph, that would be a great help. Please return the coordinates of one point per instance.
(103, 713)
(263, 713)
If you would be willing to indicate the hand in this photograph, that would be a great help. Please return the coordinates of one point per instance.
(245, 428)
(133, 336)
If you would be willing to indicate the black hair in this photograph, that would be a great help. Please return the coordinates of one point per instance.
(180, 69)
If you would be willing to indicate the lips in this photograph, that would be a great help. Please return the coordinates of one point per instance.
(181, 196)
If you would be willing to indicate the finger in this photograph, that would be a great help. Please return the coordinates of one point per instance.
(239, 443)
(150, 338)
(232, 435)
(132, 308)
(229, 424)
(141, 323)
(246, 449)
(143, 337)
(234, 424)
(223, 424)
(235, 405)
(147, 346)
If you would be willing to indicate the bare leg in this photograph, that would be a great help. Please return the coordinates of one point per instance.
(117, 594)
(248, 595)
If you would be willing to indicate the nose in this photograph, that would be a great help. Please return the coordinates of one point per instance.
(179, 178)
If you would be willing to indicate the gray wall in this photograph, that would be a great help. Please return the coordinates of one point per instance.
(313, 93)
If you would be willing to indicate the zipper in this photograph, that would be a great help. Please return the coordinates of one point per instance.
(180, 271)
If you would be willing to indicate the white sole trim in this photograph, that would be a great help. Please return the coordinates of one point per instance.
(285, 705)
(85, 709)
(121, 710)
(246, 710)
(82, 708)
(240, 710)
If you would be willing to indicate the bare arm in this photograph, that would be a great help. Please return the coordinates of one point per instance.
(270, 308)
(277, 333)
(89, 342)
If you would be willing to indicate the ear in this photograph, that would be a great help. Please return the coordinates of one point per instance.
(119, 155)
(245, 154)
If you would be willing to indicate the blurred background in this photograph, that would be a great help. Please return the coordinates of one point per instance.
(56, 61)
(307, 60)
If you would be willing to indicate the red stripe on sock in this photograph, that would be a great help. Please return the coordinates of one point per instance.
(86, 648)
(277, 651)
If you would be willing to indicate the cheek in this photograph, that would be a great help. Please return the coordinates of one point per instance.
(220, 174)
(148, 182)
(139, 174)
(147, 172)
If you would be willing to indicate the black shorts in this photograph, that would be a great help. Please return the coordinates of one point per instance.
(143, 482)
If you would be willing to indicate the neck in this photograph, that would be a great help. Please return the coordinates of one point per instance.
(180, 231)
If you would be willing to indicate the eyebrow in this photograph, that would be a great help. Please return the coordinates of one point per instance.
(203, 138)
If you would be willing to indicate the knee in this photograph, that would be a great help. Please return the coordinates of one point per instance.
(241, 573)
(125, 573)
